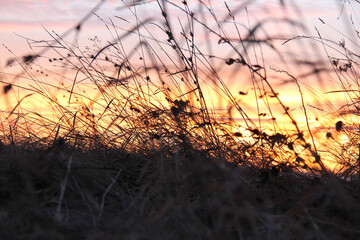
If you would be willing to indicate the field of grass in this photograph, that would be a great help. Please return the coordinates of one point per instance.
(124, 139)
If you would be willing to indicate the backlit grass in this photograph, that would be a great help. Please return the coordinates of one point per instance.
(145, 135)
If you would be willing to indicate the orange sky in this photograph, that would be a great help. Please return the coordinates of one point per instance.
(28, 18)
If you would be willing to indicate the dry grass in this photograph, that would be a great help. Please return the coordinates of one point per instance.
(133, 149)
(112, 195)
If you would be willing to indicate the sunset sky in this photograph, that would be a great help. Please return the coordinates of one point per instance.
(20, 19)
(26, 17)
(23, 22)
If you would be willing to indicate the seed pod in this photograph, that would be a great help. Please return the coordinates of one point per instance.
(237, 134)
(7, 88)
(328, 135)
(339, 126)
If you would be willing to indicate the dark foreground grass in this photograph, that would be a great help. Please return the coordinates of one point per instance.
(68, 194)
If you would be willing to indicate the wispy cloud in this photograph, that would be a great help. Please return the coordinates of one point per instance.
(43, 10)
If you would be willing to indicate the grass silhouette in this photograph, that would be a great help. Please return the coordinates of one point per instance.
(127, 144)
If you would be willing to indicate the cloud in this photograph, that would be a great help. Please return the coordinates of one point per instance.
(43, 10)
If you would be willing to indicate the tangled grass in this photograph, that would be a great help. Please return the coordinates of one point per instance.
(130, 147)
